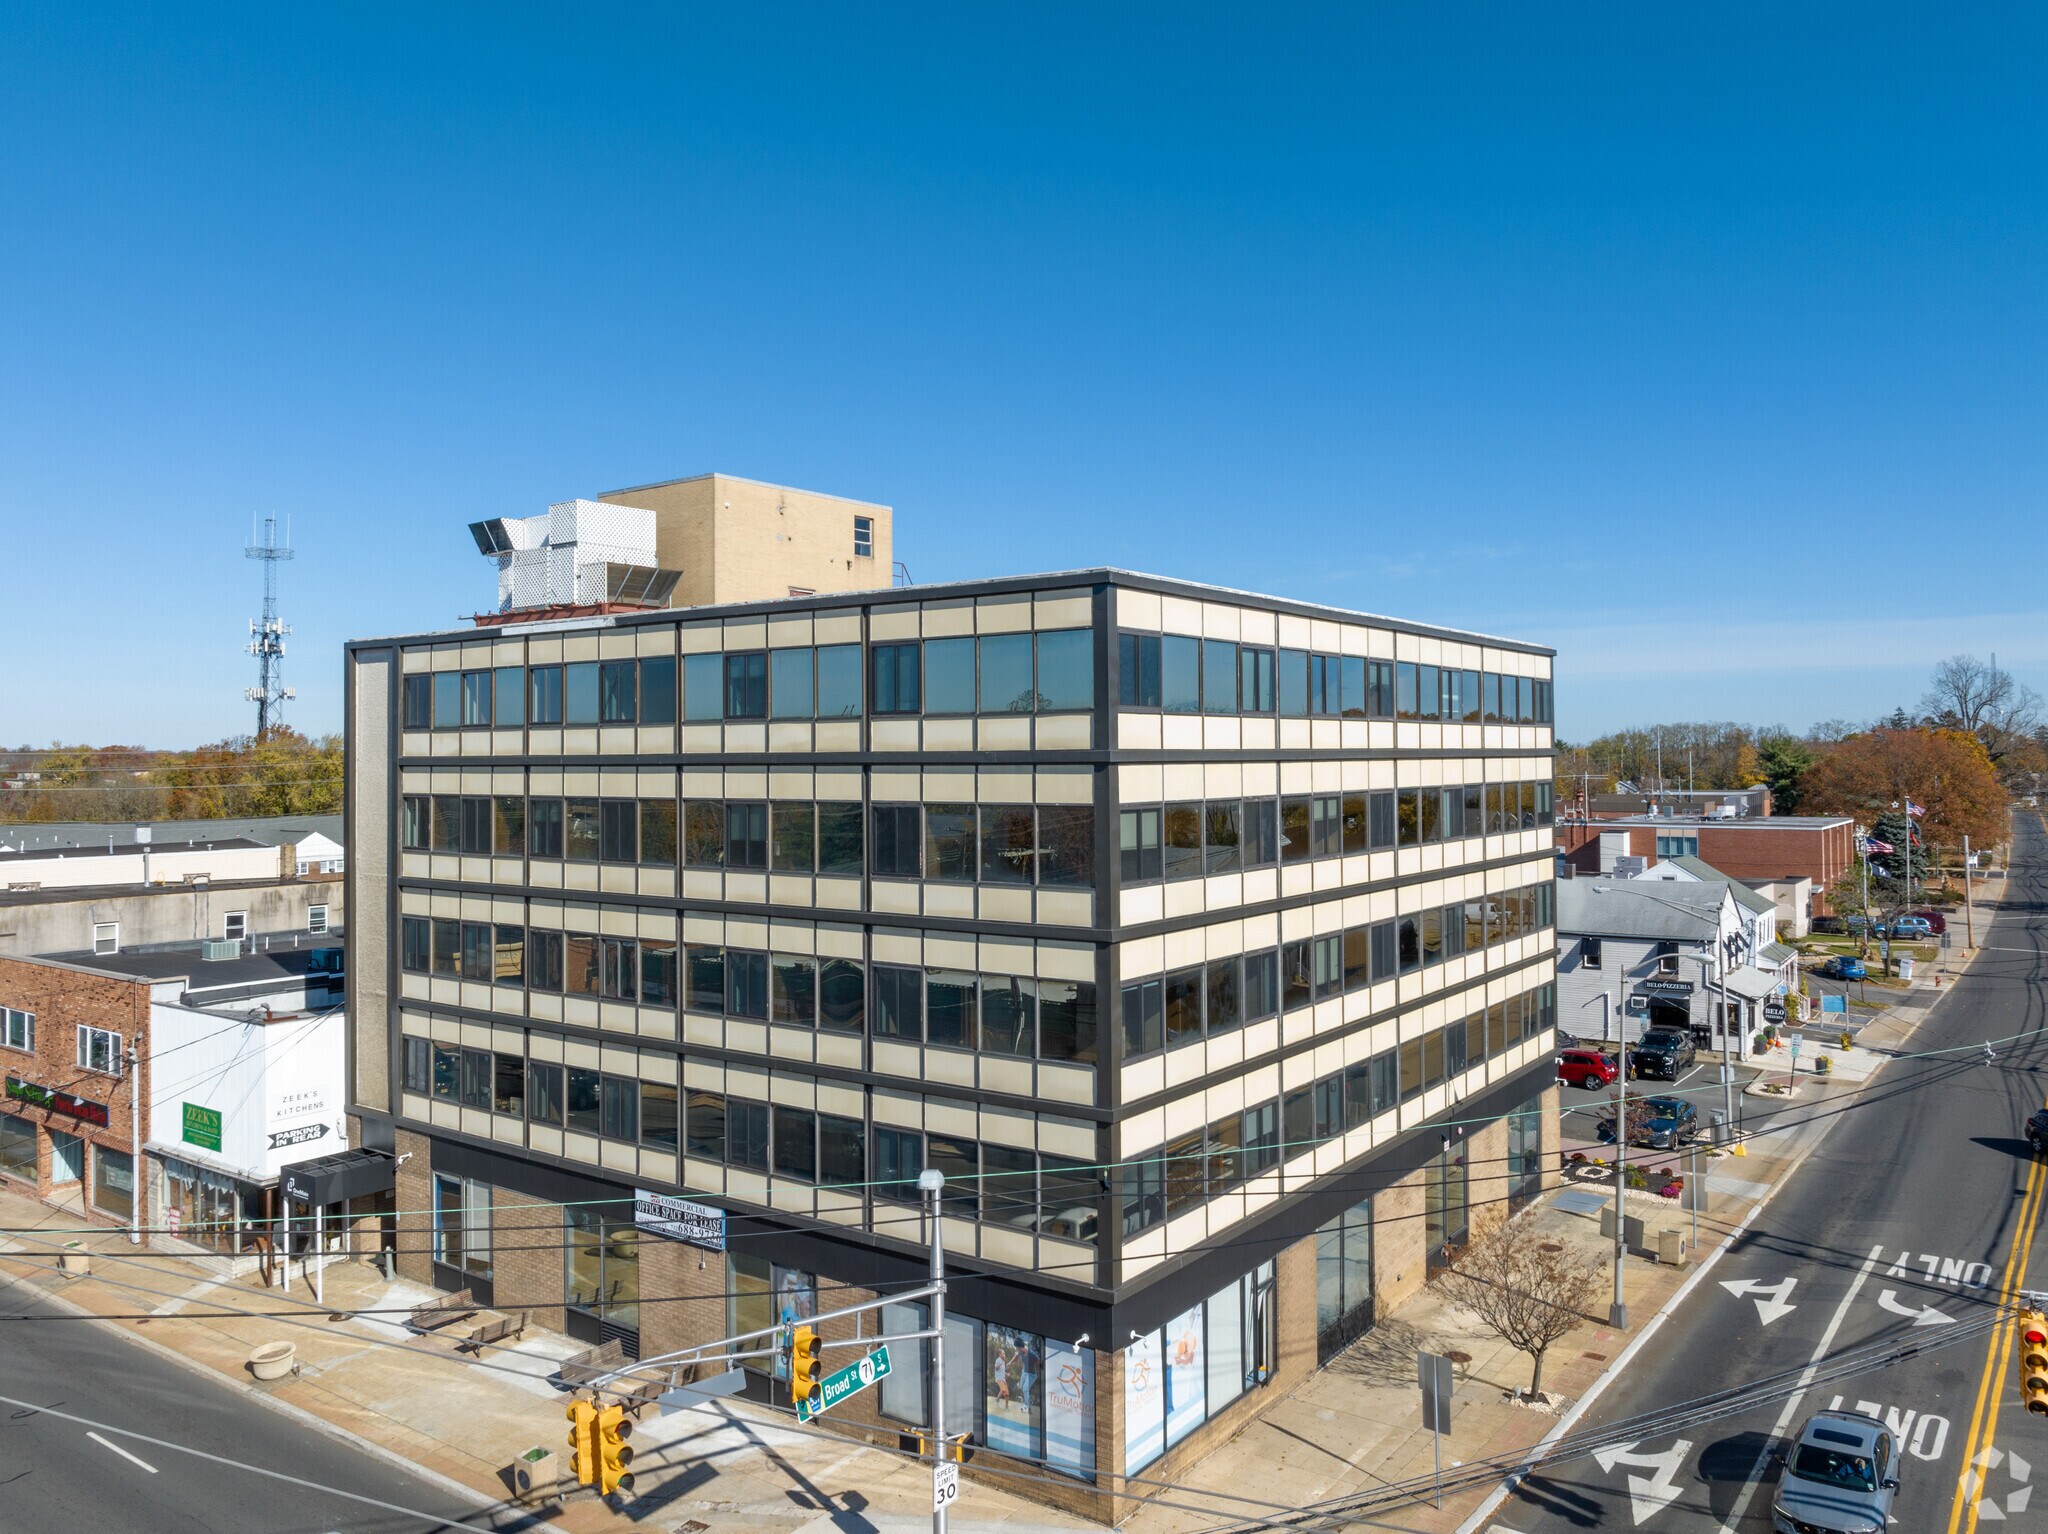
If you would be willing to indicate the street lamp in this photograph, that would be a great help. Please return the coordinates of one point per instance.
(1617, 1309)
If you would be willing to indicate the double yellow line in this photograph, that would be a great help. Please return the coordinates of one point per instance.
(1991, 1389)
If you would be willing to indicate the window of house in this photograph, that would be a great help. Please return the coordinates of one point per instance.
(1589, 952)
(106, 935)
(17, 1028)
(235, 925)
(863, 537)
(99, 1049)
(316, 922)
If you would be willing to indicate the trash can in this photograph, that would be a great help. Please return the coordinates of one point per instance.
(1671, 1248)
(1717, 1126)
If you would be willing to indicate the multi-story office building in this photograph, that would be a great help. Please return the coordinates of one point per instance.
(1203, 940)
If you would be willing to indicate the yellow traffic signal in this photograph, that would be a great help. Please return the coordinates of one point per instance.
(2034, 1360)
(804, 1364)
(613, 1455)
(583, 1440)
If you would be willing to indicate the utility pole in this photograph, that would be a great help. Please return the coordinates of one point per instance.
(932, 1182)
(1617, 1310)
(1720, 1017)
(266, 641)
(135, 1141)
(1969, 917)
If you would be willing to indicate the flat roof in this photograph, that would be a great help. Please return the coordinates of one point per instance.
(205, 974)
(948, 590)
(59, 893)
(1732, 823)
(742, 479)
(269, 830)
(131, 849)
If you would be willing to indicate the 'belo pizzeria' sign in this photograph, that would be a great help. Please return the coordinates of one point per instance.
(57, 1102)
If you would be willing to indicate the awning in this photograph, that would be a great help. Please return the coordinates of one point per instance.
(1775, 956)
(342, 1175)
(1750, 983)
(191, 1155)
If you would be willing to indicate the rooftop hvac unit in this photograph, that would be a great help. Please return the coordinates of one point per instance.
(221, 948)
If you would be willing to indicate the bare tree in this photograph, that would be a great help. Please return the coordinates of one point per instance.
(1529, 1291)
(1966, 693)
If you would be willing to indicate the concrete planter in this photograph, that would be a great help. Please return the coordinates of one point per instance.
(273, 1361)
(74, 1261)
(533, 1474)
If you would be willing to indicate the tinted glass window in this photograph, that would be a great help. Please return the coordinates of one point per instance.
(544, 694)
(790, 683)
(1006, 674)
(949, 676)
(1066, 670)
(579, 693)
(1180, 674)
(658, 690)
(1137, 681)
(1219, 676)
(703, 688)
(838, 678)
(1066, 845)
(897, 687)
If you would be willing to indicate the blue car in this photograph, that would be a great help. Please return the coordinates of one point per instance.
(1841, 967)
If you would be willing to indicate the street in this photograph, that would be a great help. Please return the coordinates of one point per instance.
(1867, 1284)
(59, 1473)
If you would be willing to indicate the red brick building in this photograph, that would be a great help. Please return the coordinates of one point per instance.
(1817, 847)
(67, 1130)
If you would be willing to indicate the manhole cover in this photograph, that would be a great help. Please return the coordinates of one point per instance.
(1598, 1358)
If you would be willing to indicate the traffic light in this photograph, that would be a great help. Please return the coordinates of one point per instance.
(613, 1455)
(583, 1440)
(804, 1364)
(2034, 1361)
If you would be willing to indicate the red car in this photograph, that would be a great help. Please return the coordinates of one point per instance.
(1933, 919)
(1586, 1068)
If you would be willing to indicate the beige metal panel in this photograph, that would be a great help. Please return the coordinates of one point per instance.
(1062, 610)
(886, 623)
(1004, 903)
(789, 630)
(1138, 732)
(1065, 785)
(836, 627)
(947, 619)
(1005, 732)
(893, 946)
(944, 785)
(1133, 609)
(1067, 1083)
(1178, 615)
(897, 785)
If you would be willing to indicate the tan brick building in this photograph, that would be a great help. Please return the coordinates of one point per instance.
(1204, 941)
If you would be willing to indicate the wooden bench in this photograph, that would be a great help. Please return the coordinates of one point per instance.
(445, 1311)
(494, 1332)
(582, 1368)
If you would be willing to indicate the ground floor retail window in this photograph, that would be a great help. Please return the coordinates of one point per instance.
(766, 1294)
(208, 1209)
(1343, 1280)
(604, 1274)
(1446, 1206)
(17, 1147)
(1180, 1376)
(1525, 1153)
(113, 1182)
(462, 1225)
(1016, 1392)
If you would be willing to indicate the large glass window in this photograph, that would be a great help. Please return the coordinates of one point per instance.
(1180, 674)
(898, 841)
(1009, 844)
(1344, 1308)
(1006, 686)
(838, 678)
(746, 685)
(580, 693)
(791, 686)
(949, 676)
(1137, 670)
(949, 841)
(897, 678)
(1066, 670)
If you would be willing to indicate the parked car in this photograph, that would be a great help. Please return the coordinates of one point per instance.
(1663, 1053)
(1586, 1068)
(1935, 920)
(1669, 1123)
(1842, 967)
(2037, 1131)
(1840, 1477)
(1829, 924)
(1855, 926)
(1909, 927)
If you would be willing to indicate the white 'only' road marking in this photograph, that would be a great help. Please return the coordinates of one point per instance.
(105, 1443)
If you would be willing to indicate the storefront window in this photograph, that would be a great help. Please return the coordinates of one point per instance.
(462, 1225)
(1016, 1393)
(204, 1207)
(604, 1271)
(1069, 1388)
(1144, 1403)
(1178, 1378)
(1343, 1280)
(113, 1182)
(17, 1147)
(1525, 1153)
(1446, 1213)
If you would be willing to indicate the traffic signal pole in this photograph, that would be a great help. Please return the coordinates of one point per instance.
(932, 1184)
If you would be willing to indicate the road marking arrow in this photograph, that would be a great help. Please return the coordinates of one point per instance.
(1926, 1315)
(1776, 1308)
(1648, 1495)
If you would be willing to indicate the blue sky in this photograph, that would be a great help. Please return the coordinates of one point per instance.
(1704, 343)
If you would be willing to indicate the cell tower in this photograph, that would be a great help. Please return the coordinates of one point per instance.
(266, 637)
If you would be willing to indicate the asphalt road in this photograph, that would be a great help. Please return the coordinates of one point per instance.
(60, 1474)
(1884, 1251)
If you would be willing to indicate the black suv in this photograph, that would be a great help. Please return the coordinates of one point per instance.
(2037, 1131)
(1662, 1053)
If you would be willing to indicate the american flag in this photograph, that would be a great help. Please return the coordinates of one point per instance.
(1872, 844)
(1915, 810)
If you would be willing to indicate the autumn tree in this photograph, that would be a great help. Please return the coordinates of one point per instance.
(1528, 1290)
(1947, 771)
(1985, 700)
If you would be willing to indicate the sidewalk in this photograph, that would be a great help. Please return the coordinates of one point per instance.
(1351, 1429)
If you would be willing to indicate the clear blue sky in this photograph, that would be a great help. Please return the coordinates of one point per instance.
(1705, 343)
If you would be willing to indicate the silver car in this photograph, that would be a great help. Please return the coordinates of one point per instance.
(1839, 1477)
